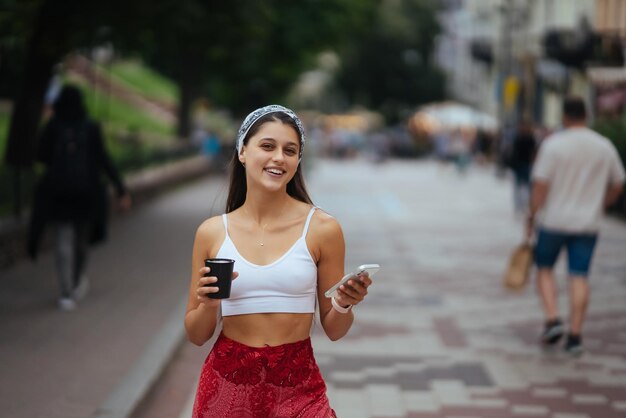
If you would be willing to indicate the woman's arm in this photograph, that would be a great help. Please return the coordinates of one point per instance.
(104, 159)
(201, 316)
(330, 269)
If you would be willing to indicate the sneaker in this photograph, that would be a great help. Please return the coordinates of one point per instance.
(66, 304)
(574, 345)
(82, 288)
(553, 332)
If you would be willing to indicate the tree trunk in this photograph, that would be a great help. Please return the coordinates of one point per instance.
(184, 110)
(26, 116)
(44, 50)
(45, 47)
(189, 79)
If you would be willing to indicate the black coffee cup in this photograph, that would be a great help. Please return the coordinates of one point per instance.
(222, 268)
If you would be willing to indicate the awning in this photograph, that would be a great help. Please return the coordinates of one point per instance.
(607, 76)
(452, 115)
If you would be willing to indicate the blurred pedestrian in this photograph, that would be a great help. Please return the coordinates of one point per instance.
(577, 175)
(460, 150)
(70, 195)
(211, 146)
(379, 149)
(483, 146)
(522, 155)
(287, 253)
(441, 146)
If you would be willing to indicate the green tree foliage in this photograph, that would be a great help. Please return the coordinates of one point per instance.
(391, 69)
(284, 39)
(37, 34)
(16, 18)
(239, 53)
(43, 28)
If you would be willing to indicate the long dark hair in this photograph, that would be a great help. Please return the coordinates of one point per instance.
(238, 186)
(69, 104)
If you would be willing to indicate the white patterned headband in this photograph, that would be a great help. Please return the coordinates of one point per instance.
(254, 116)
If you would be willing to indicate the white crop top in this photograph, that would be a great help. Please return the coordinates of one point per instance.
(288, 284)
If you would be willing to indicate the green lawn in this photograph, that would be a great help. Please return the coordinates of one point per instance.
(143, 80)
(119, 115)
(115, 115)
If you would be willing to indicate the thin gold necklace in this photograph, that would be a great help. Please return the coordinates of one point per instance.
(261, 241)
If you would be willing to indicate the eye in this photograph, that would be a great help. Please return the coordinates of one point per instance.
(267, 146)
(290, 151)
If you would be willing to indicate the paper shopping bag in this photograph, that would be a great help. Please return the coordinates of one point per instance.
(518, 269)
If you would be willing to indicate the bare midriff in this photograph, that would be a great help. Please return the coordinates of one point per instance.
(268, 329)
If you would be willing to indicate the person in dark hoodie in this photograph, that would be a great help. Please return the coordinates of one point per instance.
(71, 196)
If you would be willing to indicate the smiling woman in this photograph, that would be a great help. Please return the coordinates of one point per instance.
(287, 253)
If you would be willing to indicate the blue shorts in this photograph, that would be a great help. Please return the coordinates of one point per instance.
(579, 250)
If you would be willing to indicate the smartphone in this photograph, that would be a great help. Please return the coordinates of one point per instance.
(371, 269)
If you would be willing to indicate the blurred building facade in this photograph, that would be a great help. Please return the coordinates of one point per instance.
(516, 59)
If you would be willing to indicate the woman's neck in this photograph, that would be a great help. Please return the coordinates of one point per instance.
(266, 207)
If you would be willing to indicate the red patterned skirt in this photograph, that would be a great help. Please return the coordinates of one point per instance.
(238, 381)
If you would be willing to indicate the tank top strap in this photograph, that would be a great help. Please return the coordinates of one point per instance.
(308, 221)
(225, 219)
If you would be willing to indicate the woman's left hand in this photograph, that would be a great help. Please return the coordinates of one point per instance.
(354, 291)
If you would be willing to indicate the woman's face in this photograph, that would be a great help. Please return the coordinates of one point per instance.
(271, 156)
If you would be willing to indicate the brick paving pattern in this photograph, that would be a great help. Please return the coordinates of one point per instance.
(438, 335)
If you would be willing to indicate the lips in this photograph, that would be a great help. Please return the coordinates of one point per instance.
(275, 171)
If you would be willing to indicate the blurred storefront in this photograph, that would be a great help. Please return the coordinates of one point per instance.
(607, 79)
(517, 59)
(608, 91)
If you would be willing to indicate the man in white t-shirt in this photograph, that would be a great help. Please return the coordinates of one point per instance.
(576, 176)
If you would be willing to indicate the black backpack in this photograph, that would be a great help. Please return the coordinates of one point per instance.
(69, 171)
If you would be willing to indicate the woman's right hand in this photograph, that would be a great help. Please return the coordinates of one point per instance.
(204, 287)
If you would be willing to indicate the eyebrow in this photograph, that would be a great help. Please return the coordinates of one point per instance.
(269, 138)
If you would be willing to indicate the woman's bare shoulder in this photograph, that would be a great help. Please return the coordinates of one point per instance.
(210, 235)
(325, 225)
(325, 236)
(211, 226)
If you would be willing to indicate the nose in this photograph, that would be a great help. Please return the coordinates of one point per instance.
(279, 155)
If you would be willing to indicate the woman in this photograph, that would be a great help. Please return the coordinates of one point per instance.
(71, 195)
(287, 253)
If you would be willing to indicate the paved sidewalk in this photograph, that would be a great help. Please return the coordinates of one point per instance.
(438, 335)
(67, 365)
